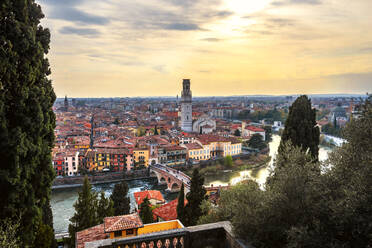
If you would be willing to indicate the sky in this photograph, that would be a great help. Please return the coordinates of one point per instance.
(127, 48)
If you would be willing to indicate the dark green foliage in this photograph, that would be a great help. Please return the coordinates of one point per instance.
(120, 198)
(156, 130)
(105, 207)
(228, 161)
(301, 207)
(26, 118)
(331, 130)
(256, 142)
(237, 132)
(85, 211)
(116, 121)
(145, 212)
(268, 133)
(270, 115)
(300, 127)
(44, 237)
(9, 233)
(181, 204)
(194, 199)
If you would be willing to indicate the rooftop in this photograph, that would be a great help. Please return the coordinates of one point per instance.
(123, 222)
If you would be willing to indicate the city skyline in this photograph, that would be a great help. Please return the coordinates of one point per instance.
(226, 48)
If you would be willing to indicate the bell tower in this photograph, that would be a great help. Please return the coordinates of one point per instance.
(186, 106)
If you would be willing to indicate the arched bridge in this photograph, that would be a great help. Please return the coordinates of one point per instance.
(171, 177)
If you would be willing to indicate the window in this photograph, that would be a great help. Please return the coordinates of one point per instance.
(130, 231)
(117, 234)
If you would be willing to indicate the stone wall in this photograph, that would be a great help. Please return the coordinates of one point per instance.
(101, 178)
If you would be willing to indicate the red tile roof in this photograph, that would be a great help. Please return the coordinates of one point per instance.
(192, 146)
(150, 194)
(255, 129)
(167, 211)
(123, 222)
(89, 235)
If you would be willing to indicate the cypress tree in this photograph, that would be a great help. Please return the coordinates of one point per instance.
(146, 212)
(26, 118)
(237, 132)
(120, 199)
(85, 211)
(105, 207)
(181, 204)
(300, 127)
(194, 199)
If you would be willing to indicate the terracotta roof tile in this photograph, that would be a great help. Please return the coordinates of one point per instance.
(123, 222)
(167, 211)
(90, 234)
(150, 194)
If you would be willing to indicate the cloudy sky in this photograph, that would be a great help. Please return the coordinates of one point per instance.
(106, 48)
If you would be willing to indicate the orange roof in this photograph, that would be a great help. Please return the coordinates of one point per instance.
(255, 129)
(167, 211)
(89, 235)
(123, 222)
(150, 194)
(192, 146)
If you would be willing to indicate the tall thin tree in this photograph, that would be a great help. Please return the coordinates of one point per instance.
(85, 211)
(120, 198)
(181, 204)
(300, 127)
(27, 120)
(194, 199)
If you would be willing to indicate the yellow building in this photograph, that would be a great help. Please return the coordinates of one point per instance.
(141, 157)
(197, 151)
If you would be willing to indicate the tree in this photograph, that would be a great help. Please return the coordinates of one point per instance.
(9, 230)
(105, 207)
(141, 131)
(85, 215)
(181, 204)
(256, 142)
(120, 199)
(44, 237)
(156, 130)
(300, 127)
(237, 132)
(268, 133)
(27, 120)
(301, 207)
(116, 121)
(145, 212)
(228, 161)
(194, 199)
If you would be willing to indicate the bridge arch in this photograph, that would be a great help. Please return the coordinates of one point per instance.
(175, 187)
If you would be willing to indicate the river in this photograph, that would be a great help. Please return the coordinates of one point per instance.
(62, 200)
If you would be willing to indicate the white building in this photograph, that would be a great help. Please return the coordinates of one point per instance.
(72, 163)
(186, 107)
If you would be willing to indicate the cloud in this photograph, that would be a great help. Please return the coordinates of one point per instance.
(74, 15)
(293, 2)
(159, 68)
(211, 39)
(79, 31)
(181, 26)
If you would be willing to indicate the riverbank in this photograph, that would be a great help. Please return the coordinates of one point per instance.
(218, 167)
(100, 178)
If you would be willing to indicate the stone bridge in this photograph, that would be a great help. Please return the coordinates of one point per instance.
(171, 177)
